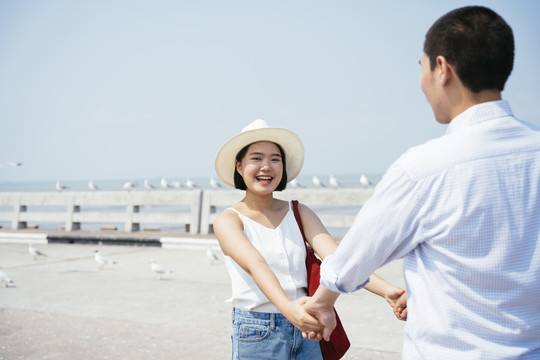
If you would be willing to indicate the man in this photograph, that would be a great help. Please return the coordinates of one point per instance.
(463, 209)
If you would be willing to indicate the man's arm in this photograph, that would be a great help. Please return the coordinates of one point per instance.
(321, 305)
(383, 230)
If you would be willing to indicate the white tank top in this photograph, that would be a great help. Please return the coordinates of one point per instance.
(284, 251)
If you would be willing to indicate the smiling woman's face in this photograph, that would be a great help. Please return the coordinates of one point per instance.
(261, 167)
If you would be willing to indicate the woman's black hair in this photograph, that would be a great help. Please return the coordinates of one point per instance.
(239, 180)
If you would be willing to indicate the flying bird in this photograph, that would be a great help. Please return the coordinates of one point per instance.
(334, 182)
(365, 181)
(10, 163)
(4, 278)
(210, 254)
(158, 269)
(34, 252)
(101, 260)
(317, 182)
(92, 186)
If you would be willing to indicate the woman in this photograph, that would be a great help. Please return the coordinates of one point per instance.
(264, 248)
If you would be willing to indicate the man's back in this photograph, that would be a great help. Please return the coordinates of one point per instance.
(473, 278)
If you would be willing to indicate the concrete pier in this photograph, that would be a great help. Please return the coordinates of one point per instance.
(64, 307)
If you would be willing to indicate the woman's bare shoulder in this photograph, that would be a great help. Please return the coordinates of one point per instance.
(305, 210)
(227, 217)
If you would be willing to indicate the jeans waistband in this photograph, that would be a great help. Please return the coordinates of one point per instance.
(253, 317)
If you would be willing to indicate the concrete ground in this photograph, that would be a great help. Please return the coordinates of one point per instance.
(63, 307)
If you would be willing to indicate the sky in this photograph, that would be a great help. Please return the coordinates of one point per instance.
(147, 89)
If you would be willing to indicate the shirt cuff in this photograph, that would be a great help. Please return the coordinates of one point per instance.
(331, 281)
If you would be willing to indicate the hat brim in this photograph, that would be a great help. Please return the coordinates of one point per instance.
(290, 143)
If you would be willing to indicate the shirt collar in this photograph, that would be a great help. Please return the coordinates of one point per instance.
(479, 113)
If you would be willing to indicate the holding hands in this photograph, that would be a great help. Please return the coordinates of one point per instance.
(397, 299)
(321, 307)
(296, 313)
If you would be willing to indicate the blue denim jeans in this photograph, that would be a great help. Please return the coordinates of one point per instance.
(269, 336)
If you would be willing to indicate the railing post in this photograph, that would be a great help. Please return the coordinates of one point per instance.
(70, 225)
(196, 205)
(205, 212)
(130, 225)
(211, 226)
(18, 209)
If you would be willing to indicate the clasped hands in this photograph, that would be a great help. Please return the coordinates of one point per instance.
(315, 316)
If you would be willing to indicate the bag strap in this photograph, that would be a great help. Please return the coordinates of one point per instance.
(299, 220)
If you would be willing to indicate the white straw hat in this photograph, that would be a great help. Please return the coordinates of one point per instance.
(259, 130)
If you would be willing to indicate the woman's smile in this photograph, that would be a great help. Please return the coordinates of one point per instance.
(264, 179)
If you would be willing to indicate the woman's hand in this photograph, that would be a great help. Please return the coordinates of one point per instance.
(297, 315)
(397, 298)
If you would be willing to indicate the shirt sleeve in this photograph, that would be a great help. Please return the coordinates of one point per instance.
(386, 228)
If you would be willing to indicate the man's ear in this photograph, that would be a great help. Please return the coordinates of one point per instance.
(446, 71)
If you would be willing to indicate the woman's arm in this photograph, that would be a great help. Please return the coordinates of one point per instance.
(228, 229)
(316, 234)
(396, 297)
(323, 244)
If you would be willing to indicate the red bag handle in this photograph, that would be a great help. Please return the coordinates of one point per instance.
(299, 220)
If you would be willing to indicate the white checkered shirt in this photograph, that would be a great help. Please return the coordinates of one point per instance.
(464, 211)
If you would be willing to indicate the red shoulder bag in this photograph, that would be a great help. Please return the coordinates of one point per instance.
(339, 342)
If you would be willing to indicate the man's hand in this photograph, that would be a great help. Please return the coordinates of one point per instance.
(296, 313)
(321, 306)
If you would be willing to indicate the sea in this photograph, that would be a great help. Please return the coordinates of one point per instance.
(203, 183)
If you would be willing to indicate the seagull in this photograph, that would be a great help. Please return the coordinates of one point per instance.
(317, 182)
(295, 184)
(214, 183)
(177, 185)
(164, 184)
(190, 184)
(365, 181)
(4, 278)
(92, 186)
(148, 186)
(101, 260)
(159, 270)
(334, 182)
(129, 186)
(60, 187)
(210, 254)
(10, 163)
(35, 252)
